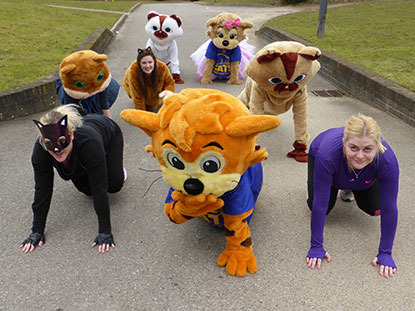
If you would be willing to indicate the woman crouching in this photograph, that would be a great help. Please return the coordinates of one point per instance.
(86, 150)
(355, 158)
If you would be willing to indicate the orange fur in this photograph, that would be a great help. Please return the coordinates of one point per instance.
(84, 73)
(196, 124)
(131, 86)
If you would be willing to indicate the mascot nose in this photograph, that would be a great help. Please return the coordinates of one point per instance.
(160, 34)
(225, 42)
(193, 186)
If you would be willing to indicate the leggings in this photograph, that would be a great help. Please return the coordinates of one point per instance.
(115, 174)
(367, 200)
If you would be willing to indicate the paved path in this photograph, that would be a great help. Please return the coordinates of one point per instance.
(161, 266)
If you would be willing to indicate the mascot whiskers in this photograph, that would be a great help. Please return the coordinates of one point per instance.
(204, 141)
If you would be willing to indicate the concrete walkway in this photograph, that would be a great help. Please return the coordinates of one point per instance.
(161, 266)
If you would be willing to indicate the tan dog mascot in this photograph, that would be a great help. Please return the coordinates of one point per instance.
(277, 80)
(226, 55)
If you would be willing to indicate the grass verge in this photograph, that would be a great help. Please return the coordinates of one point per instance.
(35, 38)
(375, 35)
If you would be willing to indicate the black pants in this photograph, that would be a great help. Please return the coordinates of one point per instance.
(115, 173)
(367, 200)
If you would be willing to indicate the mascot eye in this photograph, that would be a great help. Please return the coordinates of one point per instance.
(220, 35)
(80, 84)
(275, 80)
(175, 161)
(210, 164)
(167, 29)
(232, 36)
(155, 28)
(100, 76)
(300, 78)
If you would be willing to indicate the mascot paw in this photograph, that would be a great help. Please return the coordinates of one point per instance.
(235, 81)
(177, 78)
(206, 81)
(302, 158)
(299, 153)
(237, 262)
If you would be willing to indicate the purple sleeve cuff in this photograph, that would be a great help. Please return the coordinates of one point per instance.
(316, 252)
(386, 260)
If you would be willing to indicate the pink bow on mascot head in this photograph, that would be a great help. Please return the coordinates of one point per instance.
(236, 22)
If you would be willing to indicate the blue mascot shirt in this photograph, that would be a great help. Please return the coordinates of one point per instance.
(223, 59)
(94, 104)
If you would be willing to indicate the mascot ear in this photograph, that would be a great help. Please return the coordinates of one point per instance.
(247, 25)
(211, 22)
(67, 68)
(149, 122)
(310, 53)
(267, 57)
(152, 14)
(252, 125)
(177, 19)
(100, 58)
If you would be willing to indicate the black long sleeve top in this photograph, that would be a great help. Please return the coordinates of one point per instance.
(87, 161)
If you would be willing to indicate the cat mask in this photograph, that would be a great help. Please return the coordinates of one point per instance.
(56, 135)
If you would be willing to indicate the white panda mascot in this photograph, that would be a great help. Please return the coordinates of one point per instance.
(163, 30)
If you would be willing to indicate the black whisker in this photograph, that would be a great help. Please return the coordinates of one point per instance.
(146, 170)
(148, 189)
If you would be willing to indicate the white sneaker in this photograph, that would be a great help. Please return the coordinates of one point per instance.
(347, 195)
(125, 174)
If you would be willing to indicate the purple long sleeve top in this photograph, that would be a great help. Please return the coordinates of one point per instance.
(330, 169)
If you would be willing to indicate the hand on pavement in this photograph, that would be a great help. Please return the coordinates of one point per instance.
(311, 262)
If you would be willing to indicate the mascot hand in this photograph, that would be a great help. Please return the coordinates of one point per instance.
(185, 207)
(234, 80)
(206, 80)
(238, 260)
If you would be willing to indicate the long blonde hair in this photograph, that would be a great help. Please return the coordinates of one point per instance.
(363, 126)
(54, 115)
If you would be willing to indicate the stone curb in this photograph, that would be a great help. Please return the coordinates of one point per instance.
(356, 81)
(41, 95)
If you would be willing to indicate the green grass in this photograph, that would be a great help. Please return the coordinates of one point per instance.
(263, 2)
(378, 36)
(35, 38)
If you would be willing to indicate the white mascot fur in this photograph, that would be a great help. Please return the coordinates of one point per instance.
(163, 30)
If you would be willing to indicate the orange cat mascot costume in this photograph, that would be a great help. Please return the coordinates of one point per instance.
(204, 141)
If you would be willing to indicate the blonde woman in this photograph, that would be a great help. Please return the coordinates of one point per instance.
(354, 157)
(86, 150)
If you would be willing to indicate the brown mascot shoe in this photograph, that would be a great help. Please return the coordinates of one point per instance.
(299, 153)
(177, 79)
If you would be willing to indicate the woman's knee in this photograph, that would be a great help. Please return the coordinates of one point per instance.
(115, 186)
